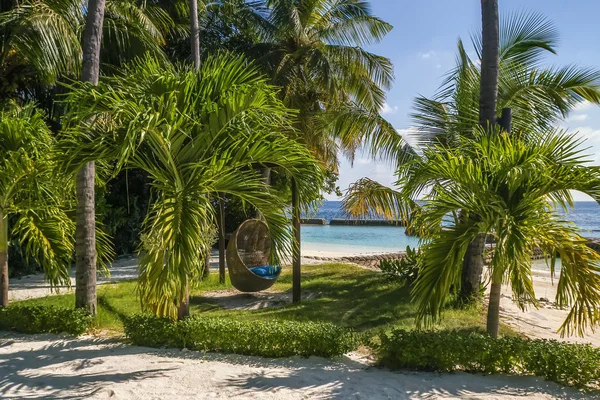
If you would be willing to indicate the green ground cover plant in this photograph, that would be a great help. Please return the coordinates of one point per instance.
(256, 338)
(450, 350)
(43, 318)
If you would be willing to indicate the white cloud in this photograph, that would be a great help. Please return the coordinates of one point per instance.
(387, 109)
(428, 55)
(577, 117)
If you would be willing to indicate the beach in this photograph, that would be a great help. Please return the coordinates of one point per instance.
(54, 367)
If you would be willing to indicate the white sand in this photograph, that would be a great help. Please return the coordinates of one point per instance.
(544, 322)
(51, 367)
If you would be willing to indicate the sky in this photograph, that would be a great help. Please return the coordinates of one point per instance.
(422, 47)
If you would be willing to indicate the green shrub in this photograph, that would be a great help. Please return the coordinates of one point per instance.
(257, 338)
(564, 363)
(405, 270)
(44, 319)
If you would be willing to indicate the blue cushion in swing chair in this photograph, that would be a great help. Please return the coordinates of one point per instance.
(266, 271)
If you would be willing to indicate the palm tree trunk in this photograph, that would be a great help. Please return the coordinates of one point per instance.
(183, 311)
(490, 55)
(296, 266)
(3, 260)
(85, 237)
(493, 316)
(488, 95)
(195, 34)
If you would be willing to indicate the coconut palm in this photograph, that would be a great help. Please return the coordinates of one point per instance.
(194, 137)
(538, 97)
(42, 40)
(313, 49)
(33, 198)
(488, 96)
(515, 186)
(85, 220)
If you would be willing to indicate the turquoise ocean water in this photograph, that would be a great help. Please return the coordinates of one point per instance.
(374, 238)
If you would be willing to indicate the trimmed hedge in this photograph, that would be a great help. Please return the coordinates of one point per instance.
(565, 363)
(44, 319)
(255, 338)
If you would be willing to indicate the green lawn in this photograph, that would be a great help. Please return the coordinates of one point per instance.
(345, 294)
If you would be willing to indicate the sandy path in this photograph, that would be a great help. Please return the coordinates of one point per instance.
(51, 367)
(544, 322)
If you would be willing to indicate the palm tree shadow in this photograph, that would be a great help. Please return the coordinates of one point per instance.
(32, 371)
(341, 382)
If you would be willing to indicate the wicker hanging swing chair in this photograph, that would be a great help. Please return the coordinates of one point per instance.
(248, 255)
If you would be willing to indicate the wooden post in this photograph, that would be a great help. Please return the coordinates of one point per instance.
(221, 242)
(506, 119)
(296, 290)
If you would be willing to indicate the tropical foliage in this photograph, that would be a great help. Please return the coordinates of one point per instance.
(33, 198)
(538, 96)
(42, 40)
(195, 134)
(314, 51)
(515, 184)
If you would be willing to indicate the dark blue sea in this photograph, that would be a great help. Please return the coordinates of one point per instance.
(585, 214)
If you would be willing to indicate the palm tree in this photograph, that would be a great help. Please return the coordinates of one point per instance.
(33, 198)
(488, 95)
(85, 229)
(195, 33)
(313, 50)
(538, 96)
(515, 185)
(195, 137)
(42, 40)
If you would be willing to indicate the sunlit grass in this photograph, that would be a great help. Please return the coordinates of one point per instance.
(340, 293)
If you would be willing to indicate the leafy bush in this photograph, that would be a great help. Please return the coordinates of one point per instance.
(564, 363)
(405, 270)
(44, 319)
(257, 338)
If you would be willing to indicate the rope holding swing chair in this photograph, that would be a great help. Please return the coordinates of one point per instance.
(248, 255)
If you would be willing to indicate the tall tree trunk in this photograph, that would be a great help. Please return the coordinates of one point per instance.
(296, 266)
(195, 33)
(488, 94)
(3, 260)
(85, 236)
(183, 311)
(490, 56)
(184, 306)
(493, 316)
